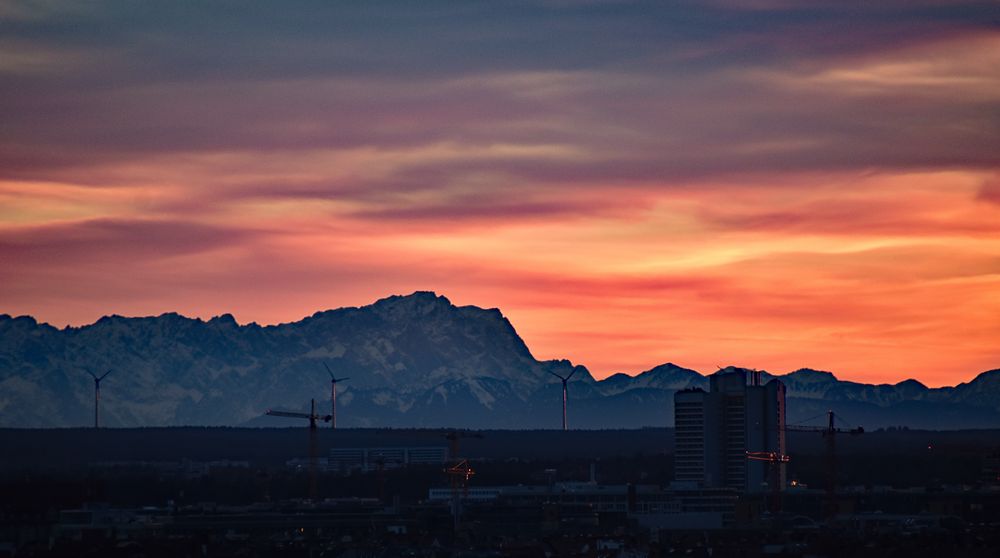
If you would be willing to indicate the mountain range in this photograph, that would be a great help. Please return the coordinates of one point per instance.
(413, 361)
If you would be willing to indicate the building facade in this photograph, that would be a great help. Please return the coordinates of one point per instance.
(714, 430)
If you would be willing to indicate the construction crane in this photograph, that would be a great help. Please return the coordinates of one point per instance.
(829, 432)
(459, 474)
(458, 479)
(380, 464)
(311, 415)
(453, 437)
(313, 438)
(774, 461)
(460, 471)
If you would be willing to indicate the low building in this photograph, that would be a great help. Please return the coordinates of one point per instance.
(345, 460)
(681, 507)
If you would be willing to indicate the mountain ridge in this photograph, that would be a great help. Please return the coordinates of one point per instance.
(414, 360)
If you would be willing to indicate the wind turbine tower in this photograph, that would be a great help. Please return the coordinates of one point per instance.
(333, 396)
(564, 381)
(97, 396)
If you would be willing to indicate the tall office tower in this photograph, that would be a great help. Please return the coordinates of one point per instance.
(715, 429)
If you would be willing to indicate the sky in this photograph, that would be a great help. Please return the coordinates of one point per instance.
(769, 184)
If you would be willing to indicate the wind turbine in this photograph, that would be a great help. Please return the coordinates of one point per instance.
(333, 396)
(97, 396)
(564, 380)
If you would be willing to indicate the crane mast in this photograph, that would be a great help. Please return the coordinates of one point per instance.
(313, 417)
(829, 433)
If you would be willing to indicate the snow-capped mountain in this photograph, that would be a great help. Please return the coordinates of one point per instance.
(414, 360)
(667, 376)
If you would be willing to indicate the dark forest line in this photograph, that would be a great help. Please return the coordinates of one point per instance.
(273, 446)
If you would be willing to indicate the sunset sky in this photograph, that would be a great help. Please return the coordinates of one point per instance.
(769, 184)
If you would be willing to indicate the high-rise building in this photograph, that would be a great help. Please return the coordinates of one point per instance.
(714, 430)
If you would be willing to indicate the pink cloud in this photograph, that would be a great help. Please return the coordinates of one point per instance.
(990, 191)
(778, 192)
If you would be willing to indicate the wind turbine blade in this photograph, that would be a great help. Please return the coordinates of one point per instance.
(342, 379)
(329, 371)
(105, 375)
(571, 374)
(92, 375)
(556, 375)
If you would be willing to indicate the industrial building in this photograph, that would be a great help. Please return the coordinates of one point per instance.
(650, 505)
(344, 460)
(716, 429)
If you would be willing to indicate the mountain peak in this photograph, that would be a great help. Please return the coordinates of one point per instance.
(22, 323)
(665, 366)
(812, 376)
(415, 304)
(173, 316)
(732, 368)
(911, 384)
(223, 319)
(29, 320)
(416, 296)
(665, 376)
(670, 369)
(988, 376)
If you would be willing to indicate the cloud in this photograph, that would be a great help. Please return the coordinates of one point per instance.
(699, 180)
(990, 191)
(102, 241)
(170, 83)
(841, 219)
(476, 210)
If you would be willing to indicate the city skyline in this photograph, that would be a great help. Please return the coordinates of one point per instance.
(764, 184)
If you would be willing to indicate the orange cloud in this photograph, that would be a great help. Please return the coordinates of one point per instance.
(802, 191)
